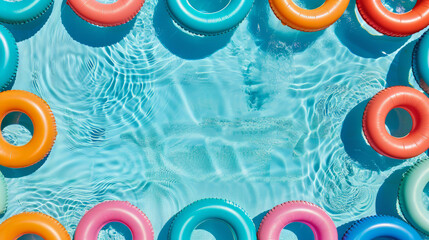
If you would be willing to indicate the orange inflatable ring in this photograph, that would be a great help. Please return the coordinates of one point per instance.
(308, 20)
(44, 129)
(33, 223)
(106, 15)
(374, 117)
(394, 24)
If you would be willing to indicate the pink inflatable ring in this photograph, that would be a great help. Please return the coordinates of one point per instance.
(114, 211)
(297, 211)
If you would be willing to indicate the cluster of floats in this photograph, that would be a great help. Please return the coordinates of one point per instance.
(226, 19)
(194, 214)
(107, 15)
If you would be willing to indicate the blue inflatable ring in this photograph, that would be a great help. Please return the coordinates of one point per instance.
(421, 62)
(196, 213)
(23, 11)
(215, 23)
(381, 226)
(8, 58)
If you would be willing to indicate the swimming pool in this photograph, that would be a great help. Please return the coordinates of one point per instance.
(152, 115)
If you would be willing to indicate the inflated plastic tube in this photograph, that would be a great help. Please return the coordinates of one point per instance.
(106, 15)
(194, 214)
(16, 12)
(374, 117)
(33, 223)
(44, 129)
(308, 20)
(203, 23)
(381, 226)
(410, 196)
(297, 211)
(394, 24)
(114, 211)
(420, 62)
(8, 57)
(3, 194)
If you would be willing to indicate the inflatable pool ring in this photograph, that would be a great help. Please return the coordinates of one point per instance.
(381, 226)
(374, 117)
(106, 15)
(114, 211)
(33, 223)
(197, 22)
(190, 217)
(297, 211)
(44, 129)
(8, 57)
(394, 24)
(420, 62)
(23, 11)
(308, 20)
(3, 194)
(410, 196)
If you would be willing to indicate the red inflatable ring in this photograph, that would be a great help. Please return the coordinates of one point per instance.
(106, 15)
(374, 117)
(394, 24)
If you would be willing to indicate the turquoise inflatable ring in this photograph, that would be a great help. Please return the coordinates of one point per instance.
(201, 23)
(23, 11)
(410, 196)
(420, 62)
(8, 58)
(194, 214)
(381, 226)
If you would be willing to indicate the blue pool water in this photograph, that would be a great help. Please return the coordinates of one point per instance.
(149, 114)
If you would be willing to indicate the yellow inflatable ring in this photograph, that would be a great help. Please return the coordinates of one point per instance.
(308, 20)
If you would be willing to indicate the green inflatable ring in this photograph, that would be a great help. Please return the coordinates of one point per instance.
(23, 11)
(410, 196)
(3, 194)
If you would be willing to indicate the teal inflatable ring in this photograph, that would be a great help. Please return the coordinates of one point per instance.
(3, 194)
(196, 213)
(410, 196)
(226, 19)
(22, 11)
(420, 62)
(8, 58)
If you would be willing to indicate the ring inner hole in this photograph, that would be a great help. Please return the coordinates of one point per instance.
(213, 229)
(399, 6)
(17, 128)
(209, 6)
(398, 123)
(30, 237)
(107, 1)
(115, 230)
(297, 231)
(309, 4)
